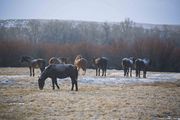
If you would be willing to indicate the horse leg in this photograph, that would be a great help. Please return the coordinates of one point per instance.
(131, 72)
(53, 82)
(30, 71)
(144, 73)
(124, 71)
(72, 84)
(33, 71)
(139, 73)
(127, 74)
(105, 71)
(75, 82)
(56, 83)
(102, 71)
(136, 72)
(96, 71)
(84, 69)
(99, 71)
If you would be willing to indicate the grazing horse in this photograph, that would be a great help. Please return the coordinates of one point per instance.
(127, 64)
(100, 63)
(80, 62)
(34, 63)
(141, 64)
(55, 71)
(59, 60)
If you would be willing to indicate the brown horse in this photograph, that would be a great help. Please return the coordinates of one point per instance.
(59, 60)
(55, 71)
(80, 63)
(141, 64)
(100, 63)
(34, 63)
(127, 65)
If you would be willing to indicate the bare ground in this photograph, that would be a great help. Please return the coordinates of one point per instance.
(21, 99)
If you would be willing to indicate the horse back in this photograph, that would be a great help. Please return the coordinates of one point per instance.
(63, 70)
(38, 63)
(127, 62)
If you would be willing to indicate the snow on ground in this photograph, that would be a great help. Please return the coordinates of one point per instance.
(113, 77)
(8, 80)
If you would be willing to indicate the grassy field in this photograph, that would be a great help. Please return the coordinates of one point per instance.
(20, 99)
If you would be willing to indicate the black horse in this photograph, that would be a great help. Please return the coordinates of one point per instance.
(100, 63)
(55, 71)
(34, 63)
(127, 64)
(142, 64)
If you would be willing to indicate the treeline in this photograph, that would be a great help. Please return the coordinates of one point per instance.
(164, 54)
(63, 32)
(45, 39)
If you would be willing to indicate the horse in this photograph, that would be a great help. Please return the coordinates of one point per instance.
(141, 64)
(127, 64)
(100, 63)
(80, 63)
(59, 60)
(34, 63)
(63, 60)
(55, 71)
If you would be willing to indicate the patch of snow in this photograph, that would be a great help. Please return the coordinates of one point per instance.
(9, 80)
(153, 77)
(113, 78)
(6, 81)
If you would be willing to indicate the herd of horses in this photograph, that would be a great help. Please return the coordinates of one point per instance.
(59, 68)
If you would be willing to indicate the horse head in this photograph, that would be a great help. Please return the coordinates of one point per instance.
(25, 59)
(41, 83)
(133, 59)
(146, 61)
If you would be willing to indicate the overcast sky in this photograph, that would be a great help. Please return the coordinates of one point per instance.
(142, 11)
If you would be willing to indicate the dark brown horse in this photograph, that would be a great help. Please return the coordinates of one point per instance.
(100, 63)
(63, 60)
(34, 63)
(127, 65)
(141, 64)
(55, 71)
(80, 63)
(59, 60)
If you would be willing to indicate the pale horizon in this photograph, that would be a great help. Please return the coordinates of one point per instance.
(139, 11)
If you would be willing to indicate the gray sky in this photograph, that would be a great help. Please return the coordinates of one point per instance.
(142, 11)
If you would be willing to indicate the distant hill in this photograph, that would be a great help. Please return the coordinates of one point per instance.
(24, 23)
(40, 30)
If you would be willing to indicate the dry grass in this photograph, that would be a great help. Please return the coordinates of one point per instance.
(23, 100)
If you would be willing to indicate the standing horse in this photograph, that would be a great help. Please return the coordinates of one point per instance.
(63, 60)
(127, 64)
(80, 63)
(34, 63)
(55, 71)
(59, 60)
(100, 63)
(141, 64)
